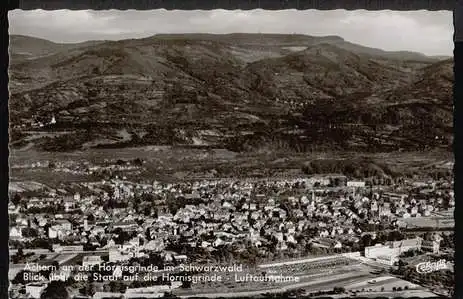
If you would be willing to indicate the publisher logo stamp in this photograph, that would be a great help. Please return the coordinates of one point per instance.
(428, 267)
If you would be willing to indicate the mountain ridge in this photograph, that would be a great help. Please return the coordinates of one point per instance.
(241, 37)
(219, 91)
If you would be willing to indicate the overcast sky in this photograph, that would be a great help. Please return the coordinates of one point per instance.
(427, 32)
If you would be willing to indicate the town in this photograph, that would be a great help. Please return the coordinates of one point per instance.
(112, 236)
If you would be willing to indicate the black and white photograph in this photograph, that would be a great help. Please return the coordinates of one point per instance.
(231, 154)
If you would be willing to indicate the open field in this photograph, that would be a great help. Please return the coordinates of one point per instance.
(401, 159)
(377, 284)
(174, 163)
(352, 276)
(396, 294)
(322, 284)
(438, 221)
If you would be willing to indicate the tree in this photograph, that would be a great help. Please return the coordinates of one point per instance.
(88, 290)
(186, 284)
(89, 247)
(448, 241)
(122, 236)
(30, 232)
(138, 162)
(19, 278)
(96, 71)
(428, 236)
(147, 211)
(395, 236)
(366, 240)
(117, 287)
(55, 290)
(16, 200)
(401, 267)
(339, 290)
(19, 256)
(90, 217)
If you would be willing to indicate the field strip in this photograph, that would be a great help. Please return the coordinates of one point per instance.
(278, 290)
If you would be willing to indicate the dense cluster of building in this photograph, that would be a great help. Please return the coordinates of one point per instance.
(122, 222)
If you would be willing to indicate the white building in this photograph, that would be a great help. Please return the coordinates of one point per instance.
(390, 252)
(356, 184)
(123, 253)
(91, 261)
(431, 246)
(155, 245)
(101, 295)
(16, 233)
(35, 289)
